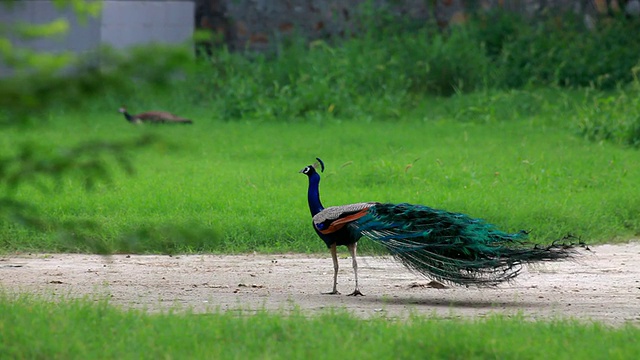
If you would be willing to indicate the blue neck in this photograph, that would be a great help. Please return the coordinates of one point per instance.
(313, 195)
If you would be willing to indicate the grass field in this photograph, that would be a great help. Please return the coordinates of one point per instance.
(515, 159)
(81, 329)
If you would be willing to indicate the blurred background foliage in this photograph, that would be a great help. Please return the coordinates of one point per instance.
(40, 82)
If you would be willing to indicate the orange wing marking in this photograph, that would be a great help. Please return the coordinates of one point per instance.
(340, 223)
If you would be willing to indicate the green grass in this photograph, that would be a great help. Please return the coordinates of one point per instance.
(84, 329)
(513, 158)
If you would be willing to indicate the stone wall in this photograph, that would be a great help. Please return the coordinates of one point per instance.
(258, 24)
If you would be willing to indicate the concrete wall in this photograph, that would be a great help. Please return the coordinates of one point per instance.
(80, 38)
(126, 23)
(122, 23)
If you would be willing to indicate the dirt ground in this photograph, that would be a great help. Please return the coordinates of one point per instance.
(603, 285)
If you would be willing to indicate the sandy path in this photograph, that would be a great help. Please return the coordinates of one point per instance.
(603, 285)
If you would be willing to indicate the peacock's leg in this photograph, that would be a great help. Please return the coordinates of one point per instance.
(352, 250)
(334, 256)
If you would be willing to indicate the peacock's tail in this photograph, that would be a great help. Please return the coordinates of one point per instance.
(452, 247)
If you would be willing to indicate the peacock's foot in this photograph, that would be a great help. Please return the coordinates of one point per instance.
(334, 292)
(356, 292)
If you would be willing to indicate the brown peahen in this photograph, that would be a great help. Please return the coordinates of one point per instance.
(442, 245)
(154, 117)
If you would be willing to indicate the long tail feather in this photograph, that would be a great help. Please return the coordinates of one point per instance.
(452, 247)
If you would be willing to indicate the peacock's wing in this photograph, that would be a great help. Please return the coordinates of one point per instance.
(150, 116)
(159, 116)
(335, 218)
(450, 246)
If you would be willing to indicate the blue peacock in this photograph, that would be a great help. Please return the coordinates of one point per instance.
(446, 246)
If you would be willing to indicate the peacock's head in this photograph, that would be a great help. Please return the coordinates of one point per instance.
(122, 110)
(311, 169)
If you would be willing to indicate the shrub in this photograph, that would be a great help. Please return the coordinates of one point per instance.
(562, 51)
(614, 118)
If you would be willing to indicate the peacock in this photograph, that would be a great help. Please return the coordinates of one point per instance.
(446, 246)
(154, 117)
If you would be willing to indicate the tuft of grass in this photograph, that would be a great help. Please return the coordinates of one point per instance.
(81, 329)
(614, 118)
